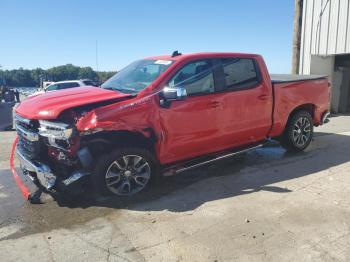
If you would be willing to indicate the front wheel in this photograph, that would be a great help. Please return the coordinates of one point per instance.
(124, 172)
(298, 133)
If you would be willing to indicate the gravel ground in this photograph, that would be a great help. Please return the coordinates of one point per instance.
(265, 205)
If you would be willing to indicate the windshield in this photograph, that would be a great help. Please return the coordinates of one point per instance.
(137, 76)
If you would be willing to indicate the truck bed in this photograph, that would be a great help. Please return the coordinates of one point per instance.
(293, 91)
(285, 78)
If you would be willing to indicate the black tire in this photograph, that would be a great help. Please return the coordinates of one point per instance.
(298, 133)
(106, 163)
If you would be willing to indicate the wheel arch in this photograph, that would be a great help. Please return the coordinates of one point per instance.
(309, 107)
(280, 126)
(106, 141)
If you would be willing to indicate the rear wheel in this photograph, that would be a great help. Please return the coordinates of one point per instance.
(298, 133)
(125, 171)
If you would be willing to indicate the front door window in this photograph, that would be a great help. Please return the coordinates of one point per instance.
(197, 78)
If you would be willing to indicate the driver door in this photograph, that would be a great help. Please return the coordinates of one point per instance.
(189, 127)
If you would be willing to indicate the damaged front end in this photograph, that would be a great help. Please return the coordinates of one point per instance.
(51, 154)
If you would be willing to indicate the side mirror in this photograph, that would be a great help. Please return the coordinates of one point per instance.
(174, 93)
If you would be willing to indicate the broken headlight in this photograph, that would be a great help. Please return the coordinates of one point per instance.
(55, 130)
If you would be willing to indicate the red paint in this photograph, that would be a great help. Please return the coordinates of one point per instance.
(21, 186)
(192, 127)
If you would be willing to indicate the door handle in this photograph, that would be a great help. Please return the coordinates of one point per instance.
(263, 97)
(214, 104)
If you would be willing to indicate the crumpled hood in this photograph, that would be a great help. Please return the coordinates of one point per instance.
(51, 104)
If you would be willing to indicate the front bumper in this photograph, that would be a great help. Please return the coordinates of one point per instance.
(43, 172)
(44, 175)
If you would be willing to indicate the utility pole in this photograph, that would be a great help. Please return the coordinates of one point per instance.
(96, 55)
(298, 21)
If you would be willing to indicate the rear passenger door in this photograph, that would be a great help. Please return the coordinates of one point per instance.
(246, 102)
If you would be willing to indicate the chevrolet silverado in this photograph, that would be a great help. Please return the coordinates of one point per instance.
(163, 115)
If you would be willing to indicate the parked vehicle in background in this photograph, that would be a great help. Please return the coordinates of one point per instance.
(46, 84)
(69, 84)
(54, 86)
(164, 115)
(6, 115)
(7, 102)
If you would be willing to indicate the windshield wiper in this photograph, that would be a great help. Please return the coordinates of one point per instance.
(121, 90)
(109, 88)
(114, 89)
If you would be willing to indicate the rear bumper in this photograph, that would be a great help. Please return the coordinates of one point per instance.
(325, 118)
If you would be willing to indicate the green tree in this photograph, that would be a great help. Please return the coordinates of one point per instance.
(31, 78)
(103, 76)
(87, 72)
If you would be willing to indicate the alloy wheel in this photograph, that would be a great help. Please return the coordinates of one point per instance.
(301, 131)
(128, 175)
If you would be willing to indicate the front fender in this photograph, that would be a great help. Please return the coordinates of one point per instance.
(132, 115)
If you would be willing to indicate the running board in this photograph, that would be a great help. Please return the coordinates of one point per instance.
(182, 167)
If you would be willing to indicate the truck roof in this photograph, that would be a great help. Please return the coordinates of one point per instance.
(200, 56)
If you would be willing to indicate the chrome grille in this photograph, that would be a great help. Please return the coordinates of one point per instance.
(27, 124)
(28, 137)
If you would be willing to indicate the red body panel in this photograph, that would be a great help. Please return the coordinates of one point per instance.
(197, 125)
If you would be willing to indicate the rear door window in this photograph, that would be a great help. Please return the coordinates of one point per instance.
(240, 73)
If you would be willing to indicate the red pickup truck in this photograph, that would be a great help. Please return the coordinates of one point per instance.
(164, 115)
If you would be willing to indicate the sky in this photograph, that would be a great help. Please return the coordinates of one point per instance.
(50, 33)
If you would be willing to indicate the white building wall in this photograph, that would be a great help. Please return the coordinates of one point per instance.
(325, 30)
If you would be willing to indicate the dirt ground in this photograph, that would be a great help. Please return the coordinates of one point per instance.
(265, 205)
